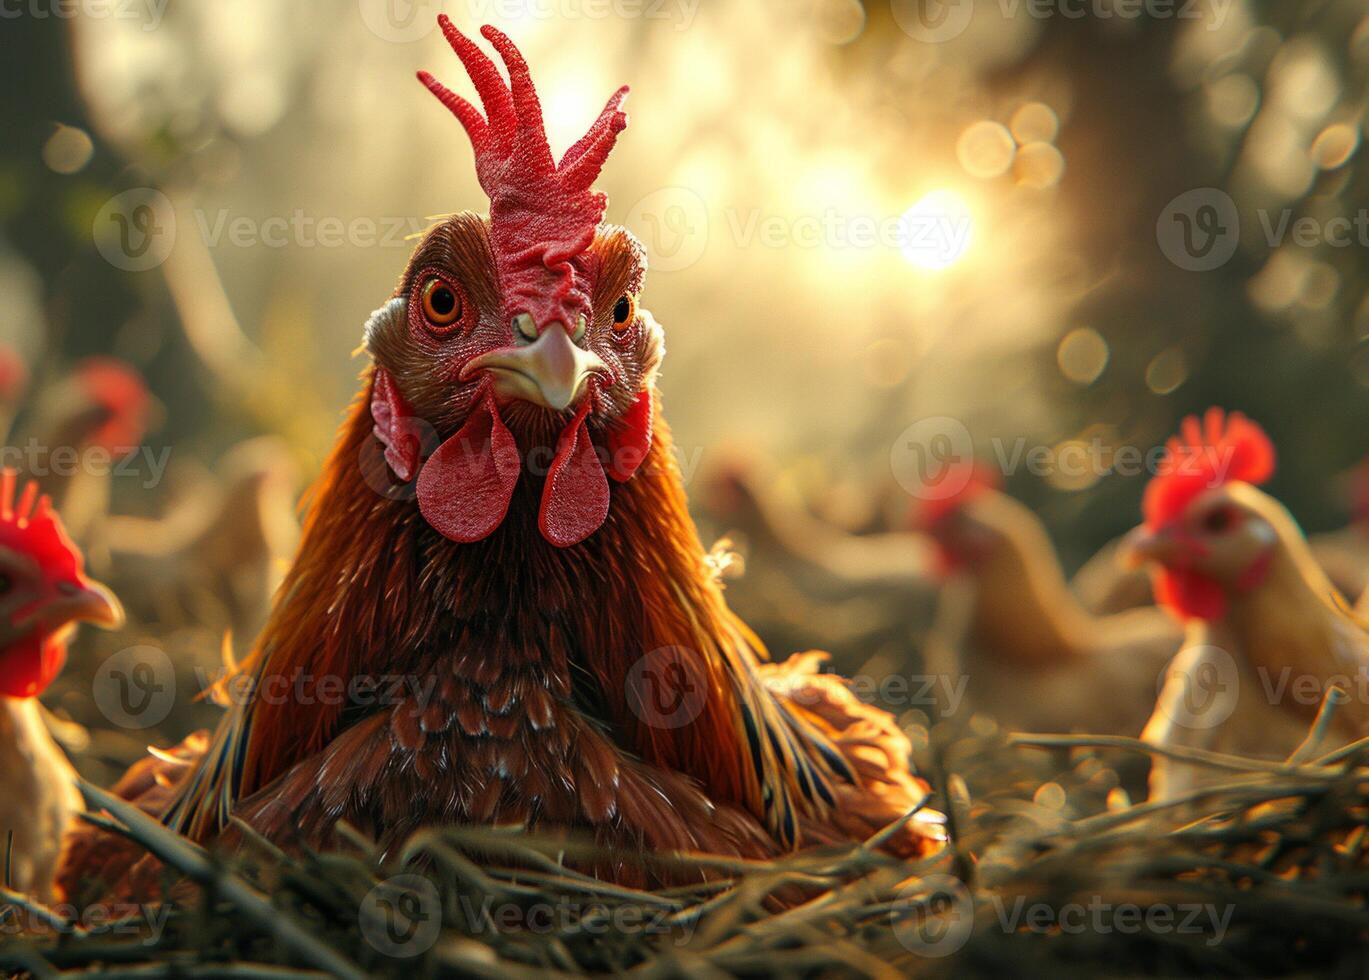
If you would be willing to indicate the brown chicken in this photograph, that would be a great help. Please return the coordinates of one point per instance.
(500, 610)
(1267, 632)
(1010, 629)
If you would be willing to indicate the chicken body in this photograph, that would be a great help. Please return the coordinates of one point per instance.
(38, 796)
(1028, 654)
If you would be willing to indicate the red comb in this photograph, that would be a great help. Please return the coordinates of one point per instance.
(961, 481)
(120, 391)
(542, 215)
(1205, 454)
(31, 526)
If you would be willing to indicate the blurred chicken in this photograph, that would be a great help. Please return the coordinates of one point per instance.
(1034, 658)
(1344, 554)
(1267, 634)
(1107, 583)
(44, 593)
(86, 423)
(217, 557)
(807, 581)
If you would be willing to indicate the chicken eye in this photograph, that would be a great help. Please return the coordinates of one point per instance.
(623, 312)
(6, 583)
(441, 303)
(1220, 520)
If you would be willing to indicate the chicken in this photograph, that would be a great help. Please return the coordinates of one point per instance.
(89, 420)
(1033, 658)
(44, 592)
(217, 556)
(1266, 633)
(1106, 583)
(515, 549)
(806, 580)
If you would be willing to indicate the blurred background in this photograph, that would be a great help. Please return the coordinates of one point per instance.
(1043, 224)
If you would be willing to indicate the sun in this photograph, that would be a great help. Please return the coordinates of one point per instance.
(937, 230)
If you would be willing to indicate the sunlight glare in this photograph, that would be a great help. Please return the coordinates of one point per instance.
(937, 230)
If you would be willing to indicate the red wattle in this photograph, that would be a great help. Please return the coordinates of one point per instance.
(465, 487)
(1190, 595)
(391, 414)
(630, 440)
(575, 499)
(29, 665)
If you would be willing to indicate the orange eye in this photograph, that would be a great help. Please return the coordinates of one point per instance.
(623, 312)
(441, 302)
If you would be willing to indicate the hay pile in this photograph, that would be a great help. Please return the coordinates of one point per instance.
(1263, 874)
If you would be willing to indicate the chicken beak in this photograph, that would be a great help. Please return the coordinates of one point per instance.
(551, 370)
(77, 602)
(1144, 544)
